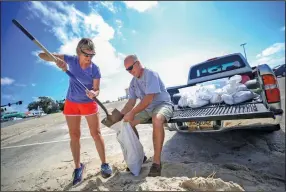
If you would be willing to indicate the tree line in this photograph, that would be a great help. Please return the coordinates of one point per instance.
(47, 104)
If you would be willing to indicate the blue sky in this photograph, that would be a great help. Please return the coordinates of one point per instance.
(167, 37)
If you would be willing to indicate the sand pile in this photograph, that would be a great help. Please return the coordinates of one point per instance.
(124, 181)
(210, 184)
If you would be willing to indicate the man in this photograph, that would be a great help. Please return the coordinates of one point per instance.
(155, 104)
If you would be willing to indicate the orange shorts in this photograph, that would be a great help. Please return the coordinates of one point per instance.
(78, 109)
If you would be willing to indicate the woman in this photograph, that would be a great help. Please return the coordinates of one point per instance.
(79, 102)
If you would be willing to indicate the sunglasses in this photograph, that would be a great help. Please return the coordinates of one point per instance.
(131, 67)
(87, 54)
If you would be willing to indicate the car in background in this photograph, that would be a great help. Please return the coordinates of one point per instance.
(280, 70)
(12, 115)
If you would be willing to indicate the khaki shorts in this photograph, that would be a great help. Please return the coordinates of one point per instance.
(164, 109)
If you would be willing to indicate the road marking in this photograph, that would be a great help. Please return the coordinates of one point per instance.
(48, 142)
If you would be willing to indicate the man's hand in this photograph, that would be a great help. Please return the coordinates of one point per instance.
(128, 117)
(91, 94)
(61, 64)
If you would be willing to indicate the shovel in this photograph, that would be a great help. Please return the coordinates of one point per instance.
(111, 118)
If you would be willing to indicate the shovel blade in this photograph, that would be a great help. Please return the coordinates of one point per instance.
(115, 117)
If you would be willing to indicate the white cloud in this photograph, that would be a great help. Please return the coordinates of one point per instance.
(33, 84)
(282, 28)
(119, 23)
(70, 24)
(275, 48)
(109, 5)
(119, 26)
(35, 98)
(6, 81)
(141, 6)
(273, 55)
(20, 85)
(50, 16)
(271, 61)
(7, 96)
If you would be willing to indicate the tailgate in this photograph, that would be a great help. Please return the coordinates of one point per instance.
(222, 112)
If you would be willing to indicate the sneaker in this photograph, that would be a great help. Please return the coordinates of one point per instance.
(77, 174)
(144, 160)
(155, 170)
(106, 170)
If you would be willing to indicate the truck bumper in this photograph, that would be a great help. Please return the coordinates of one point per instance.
(228, 125)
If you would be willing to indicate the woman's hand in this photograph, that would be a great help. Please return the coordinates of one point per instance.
(61, 64)
(91, 93)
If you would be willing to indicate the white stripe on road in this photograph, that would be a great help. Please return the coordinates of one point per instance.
(48, 142)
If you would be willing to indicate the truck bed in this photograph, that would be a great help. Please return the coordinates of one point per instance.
(247, 110)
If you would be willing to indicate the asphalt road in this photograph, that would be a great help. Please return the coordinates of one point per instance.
(256, 159)
(9, 123)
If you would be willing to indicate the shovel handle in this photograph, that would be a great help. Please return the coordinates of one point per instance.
(32, 38)
(94, 98)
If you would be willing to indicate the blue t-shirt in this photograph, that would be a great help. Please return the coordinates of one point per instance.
(76, 92)
(149, 83)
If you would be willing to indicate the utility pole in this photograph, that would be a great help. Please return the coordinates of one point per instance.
(244, 50)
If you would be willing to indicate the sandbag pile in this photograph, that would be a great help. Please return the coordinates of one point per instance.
(234, 92)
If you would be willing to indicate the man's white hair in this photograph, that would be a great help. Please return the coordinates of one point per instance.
(133, 56)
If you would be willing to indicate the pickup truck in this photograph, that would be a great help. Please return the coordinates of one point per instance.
(264, 113)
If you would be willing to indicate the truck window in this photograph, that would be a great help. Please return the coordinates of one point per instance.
(217, 66)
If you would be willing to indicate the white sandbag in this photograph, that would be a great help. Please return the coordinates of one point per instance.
(183, 101)
(131, 147)
(216, 98)
(233, 87)
(227, 98)
(243, 96)
(197, 102)
(236, 79)
(229, 89)
(205, 92)
(238, 97)
(241, 87)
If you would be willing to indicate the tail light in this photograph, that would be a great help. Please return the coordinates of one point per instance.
(272, 91)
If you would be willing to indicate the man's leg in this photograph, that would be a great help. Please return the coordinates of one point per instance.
(73, 123)
(139, 118)
(158, 136)
(161, 114)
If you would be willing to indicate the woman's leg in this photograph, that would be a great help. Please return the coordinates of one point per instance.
(94, 127)
(74, 131)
